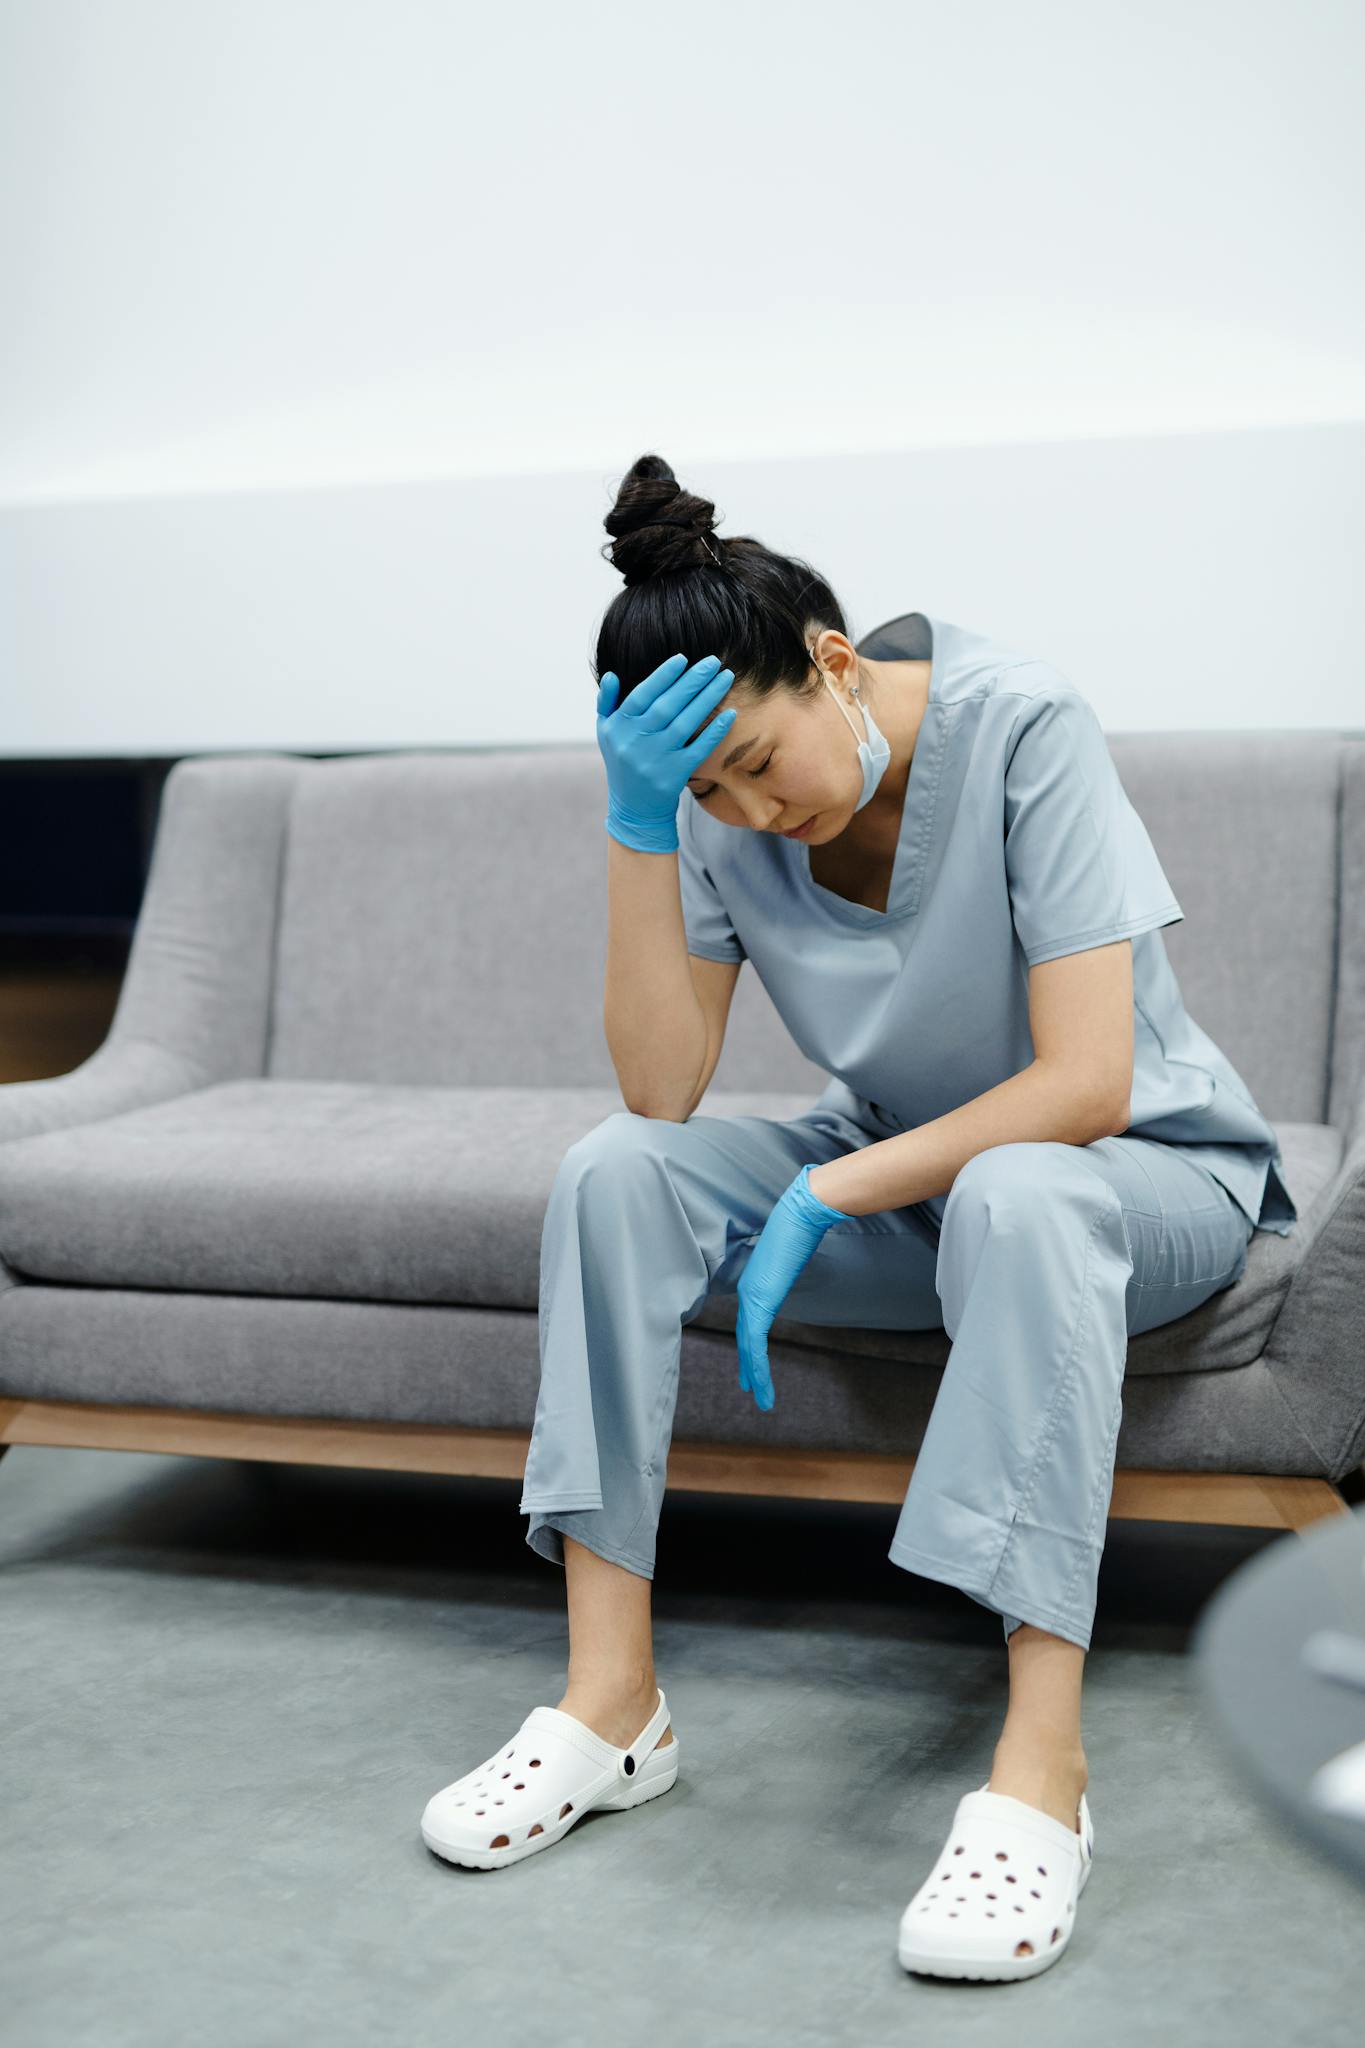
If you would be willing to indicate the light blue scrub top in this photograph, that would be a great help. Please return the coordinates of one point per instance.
(1018, 843)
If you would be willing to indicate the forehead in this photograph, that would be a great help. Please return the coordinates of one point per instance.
(758, 725)
(754, 716)
(754, 721)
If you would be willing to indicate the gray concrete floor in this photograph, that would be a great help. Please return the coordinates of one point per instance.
(230, 1689)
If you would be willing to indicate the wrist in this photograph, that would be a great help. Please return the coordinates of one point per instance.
(826, 1210)
(655, 834)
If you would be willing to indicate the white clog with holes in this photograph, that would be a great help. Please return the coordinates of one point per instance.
(553, 1771)
(1000, 1902)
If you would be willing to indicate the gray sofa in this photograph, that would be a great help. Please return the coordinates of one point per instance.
(291, 1207)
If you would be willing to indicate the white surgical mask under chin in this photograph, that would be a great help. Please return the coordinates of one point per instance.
(873, 753)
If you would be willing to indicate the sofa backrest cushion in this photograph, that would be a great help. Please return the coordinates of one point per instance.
(443, 916)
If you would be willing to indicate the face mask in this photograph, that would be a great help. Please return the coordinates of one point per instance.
(873, 753)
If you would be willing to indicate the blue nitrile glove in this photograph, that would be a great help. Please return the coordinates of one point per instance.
(783, 1246)
(645, 746)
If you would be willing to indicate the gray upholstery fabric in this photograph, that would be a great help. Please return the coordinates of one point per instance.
(479, 1367)
(347, 1190)
(361, 1024)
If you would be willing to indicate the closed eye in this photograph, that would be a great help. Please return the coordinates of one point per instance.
(752, 773)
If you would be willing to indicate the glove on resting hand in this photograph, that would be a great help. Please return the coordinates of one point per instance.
(787, 1240)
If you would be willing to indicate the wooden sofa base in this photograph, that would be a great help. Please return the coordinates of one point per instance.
(1258, 1500)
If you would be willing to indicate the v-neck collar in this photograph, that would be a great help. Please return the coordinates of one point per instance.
(917, 808)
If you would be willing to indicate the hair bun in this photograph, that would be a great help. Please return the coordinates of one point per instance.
(658, 528)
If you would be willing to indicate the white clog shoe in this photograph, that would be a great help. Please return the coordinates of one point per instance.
(1000, 1902)
(551, 1772)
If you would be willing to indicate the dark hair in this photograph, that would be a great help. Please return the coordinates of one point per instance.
(756, 609)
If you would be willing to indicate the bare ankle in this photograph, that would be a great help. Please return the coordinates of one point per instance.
(612, 1698)
(612, 1681)
(615, 1711)
(1061, 1757)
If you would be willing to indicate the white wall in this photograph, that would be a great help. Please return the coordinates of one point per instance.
(331, 326)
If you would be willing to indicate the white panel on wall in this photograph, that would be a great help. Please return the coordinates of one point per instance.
(1180, 581)
(294, 241)
(330, 325)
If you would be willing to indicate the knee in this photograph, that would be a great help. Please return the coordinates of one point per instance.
(1010, 1172)
(1026, 1186)
(617, 1144)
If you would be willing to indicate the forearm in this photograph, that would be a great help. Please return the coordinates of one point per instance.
(1037, 1104)
(655, 1027)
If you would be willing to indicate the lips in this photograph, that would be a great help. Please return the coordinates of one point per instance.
(800, 831)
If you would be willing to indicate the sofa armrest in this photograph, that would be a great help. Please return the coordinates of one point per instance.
(1316, 1347)
(194, 1005)
(116, 1077)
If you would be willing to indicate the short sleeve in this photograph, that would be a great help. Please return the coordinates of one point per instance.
(710, 933)
(1081, 868)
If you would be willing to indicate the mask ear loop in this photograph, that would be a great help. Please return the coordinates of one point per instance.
(855, 692)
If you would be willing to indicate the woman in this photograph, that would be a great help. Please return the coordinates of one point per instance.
(1025, 1141)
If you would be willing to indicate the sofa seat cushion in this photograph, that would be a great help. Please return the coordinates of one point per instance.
(402, 1193)
(339, 1190)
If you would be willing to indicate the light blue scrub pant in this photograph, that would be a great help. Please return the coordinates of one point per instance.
(1039, 1262)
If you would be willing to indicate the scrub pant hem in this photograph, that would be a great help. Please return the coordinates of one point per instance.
(951, 1575)
(555, 1552)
